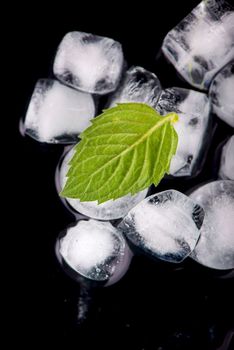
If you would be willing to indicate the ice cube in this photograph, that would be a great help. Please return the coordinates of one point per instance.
(110, 210)
(193, 127)
(165, 225)
(215, 247)
(57, 113)
(95, 250)
(226, 170)
(89, 62)
(202, 43)
(221, 94)
(138, 85)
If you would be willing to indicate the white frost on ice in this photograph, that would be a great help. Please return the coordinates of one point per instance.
(57, 111)
(163, 224)
(215, 247)
(88, 244)
(88, 62)
(199, 46)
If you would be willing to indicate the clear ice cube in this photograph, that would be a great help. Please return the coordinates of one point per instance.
(226, 170)
(165, 225)
(215, 247)
(221, 94)
(95, 250)
(193, 127)
(57, 113)
(110, 210)
(89, 62)
(202, 43)
(138, 85)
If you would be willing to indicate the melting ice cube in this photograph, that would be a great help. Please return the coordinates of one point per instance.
(215, 247)
(165, 225)
(57, 113)
(89, 62)
(95, 250)
(202, 43)
(193, 127)
(110, 210)
(138, 85)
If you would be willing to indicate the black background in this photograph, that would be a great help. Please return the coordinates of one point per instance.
(156, 305)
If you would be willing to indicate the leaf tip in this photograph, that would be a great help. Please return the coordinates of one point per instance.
(64, 193)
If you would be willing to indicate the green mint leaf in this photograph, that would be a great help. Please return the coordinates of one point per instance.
(125, 150)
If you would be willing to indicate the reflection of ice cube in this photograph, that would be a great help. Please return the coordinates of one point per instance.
(226, 170)
(222, 93)
(94, 249)
(105, 211)
(192, 128)
(57, 113)
(202, 43)
(165, 225)
(88, 62)
(138, 85)
(215, 247)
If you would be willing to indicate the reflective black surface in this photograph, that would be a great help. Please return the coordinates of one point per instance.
(156, 305)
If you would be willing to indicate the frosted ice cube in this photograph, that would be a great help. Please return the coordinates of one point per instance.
(138, 85)
(95, 250)
(89, 62)
(202, 43)
(165, 225)
(57, 113)
(192, 128)
(226, 170)
(112, 209)
(215, 247)
(222, 95)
